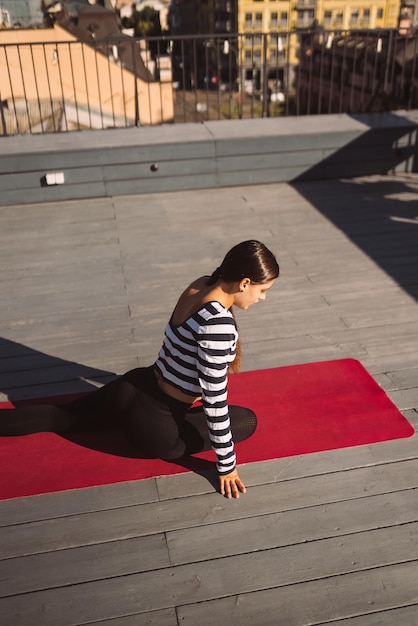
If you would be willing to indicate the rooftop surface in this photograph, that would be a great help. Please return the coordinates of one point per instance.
(87, 287)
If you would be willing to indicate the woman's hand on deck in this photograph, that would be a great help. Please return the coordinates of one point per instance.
(231, 485)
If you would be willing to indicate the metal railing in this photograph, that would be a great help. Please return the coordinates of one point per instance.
(123, 82)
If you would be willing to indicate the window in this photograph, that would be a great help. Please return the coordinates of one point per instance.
(248, 19)
(258, 19)
(339, 18)
(379, 14)
(274, 19)
(283, 18)
(278, 40)
(278, 53)
(354, 16)
(366, 15)
(327, 17)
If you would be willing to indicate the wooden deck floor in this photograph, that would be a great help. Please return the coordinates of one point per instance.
(87, 287)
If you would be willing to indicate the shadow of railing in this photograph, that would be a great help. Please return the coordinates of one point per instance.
(380, 216)
(29, 373)
(388, 143)
(29, 376)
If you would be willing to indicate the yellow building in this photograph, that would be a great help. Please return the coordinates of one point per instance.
(354, 14)
(270, 31)
(265, 27)
(270, 15)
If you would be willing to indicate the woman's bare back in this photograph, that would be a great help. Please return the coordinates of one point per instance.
(192, 299)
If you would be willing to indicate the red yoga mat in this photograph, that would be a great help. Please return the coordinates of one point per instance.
(300, 409)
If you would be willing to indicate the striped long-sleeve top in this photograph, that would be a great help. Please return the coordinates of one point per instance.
(194, 358)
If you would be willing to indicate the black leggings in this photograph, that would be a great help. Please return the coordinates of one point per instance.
(157, 425)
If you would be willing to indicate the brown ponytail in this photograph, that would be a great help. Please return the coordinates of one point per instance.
(215, 276)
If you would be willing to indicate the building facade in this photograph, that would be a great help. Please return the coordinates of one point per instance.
(269, 15)
(270, 32)
(23, 12)
(205, 16)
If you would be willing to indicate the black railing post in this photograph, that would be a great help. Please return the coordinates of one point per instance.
(3, 119)
(137, 119)
(266, 99)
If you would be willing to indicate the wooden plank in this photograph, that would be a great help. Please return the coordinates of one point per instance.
(60, 324)
(60, 568)
(153, 185)
(53, 193)
(61, 302)
(258, 177)
(262, 160)
(196, 166)
(35, 178)
(166, 617)
(17, 216)
(116, 558)
(329, 600)
(48, 375)
(412, 417)
(60, 388)
(76, 502)
(73, 530)
(87, 350)
(288, 468)
(136, 147)
(376, 335)
(292, 527)
(325, 127)
(197, 583)
(403, 379)
(405, 398)
(407, 615)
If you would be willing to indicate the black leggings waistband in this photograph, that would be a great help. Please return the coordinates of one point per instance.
(145, 379)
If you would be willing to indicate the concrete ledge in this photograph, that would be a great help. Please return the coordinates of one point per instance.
(212, 154)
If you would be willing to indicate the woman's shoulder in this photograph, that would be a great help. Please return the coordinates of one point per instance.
(216, 310)
(193, 299)
(213, 319)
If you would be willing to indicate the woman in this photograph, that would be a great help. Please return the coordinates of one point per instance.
(154, 404)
